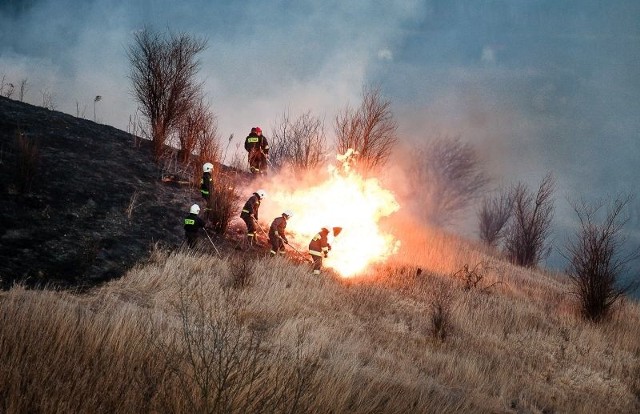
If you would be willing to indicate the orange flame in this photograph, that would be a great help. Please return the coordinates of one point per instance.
(345, 200)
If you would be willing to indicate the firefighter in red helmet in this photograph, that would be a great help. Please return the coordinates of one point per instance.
(257, 148)
(319, 248)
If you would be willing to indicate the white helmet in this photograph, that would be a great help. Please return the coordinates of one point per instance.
(207, 167)
(261, 193)
(287, 213)
(195, 209)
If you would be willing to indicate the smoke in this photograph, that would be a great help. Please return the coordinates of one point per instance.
(537, 86)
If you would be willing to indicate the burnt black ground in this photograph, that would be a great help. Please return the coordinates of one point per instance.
(73, 228)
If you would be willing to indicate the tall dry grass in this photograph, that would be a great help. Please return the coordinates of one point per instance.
(179, 334)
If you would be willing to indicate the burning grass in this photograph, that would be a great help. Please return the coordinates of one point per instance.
(177, 335)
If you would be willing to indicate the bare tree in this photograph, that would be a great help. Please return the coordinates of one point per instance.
(163, 70)
(299, 144)
(48, 100)
(449, 177)
(493, 216)
(198, 130)
(596, 259)
(23, 89)
(526, 237)
(370, 130)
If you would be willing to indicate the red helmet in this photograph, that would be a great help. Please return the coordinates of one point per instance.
(258, 130)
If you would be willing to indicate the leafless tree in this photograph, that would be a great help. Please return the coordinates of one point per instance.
(448, 177)
(493, 216)
(23, 89)
(299, 144)
(197, 130)
(596, 261)
(163, 71)
(370, 130)
(48, 100)
(526, 237)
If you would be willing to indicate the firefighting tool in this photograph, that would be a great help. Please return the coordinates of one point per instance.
(295, 250)
(214, 246)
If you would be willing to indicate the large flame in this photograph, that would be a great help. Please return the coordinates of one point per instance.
(347, 200)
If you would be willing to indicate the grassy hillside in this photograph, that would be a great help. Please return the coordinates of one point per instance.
(195, 333)
(444, 326)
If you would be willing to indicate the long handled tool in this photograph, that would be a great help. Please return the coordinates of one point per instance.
(295, 250)
(260, 227)
(214, 246)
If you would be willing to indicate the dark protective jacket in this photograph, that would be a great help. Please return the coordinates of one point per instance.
(206, 185)
(278, 227)
(256, 142)
(193, 223)
(251, 207)
(319, 246)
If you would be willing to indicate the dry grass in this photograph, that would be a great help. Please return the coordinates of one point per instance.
(175, 335)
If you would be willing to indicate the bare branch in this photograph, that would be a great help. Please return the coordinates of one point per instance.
(370, 130)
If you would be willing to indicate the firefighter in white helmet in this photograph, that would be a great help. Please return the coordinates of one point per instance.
(319, 248)
(193, 224)
(250, 214)
(206, 182)
(277, 233)
(206, 190)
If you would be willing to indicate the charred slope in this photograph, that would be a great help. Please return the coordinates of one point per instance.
(75, 226)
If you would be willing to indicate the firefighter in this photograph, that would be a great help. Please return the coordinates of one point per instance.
(250, 214)
(277, 233)
(192, 226)
(206, 190)
(257, 148)
(319, 248)
(206, 182)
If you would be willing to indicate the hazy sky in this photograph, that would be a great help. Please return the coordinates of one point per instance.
(537, 85)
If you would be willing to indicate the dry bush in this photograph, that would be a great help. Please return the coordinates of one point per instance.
(448, 176)
(369, 129)
(474, 278)
(217, 363)
(299, 144)
(28, 160)
(242, 272)
(48, 99)
(188, 130)
(493, 216)
(596, 260)
(223, 202)
(441, 310)
(163, 70)
(526, 236)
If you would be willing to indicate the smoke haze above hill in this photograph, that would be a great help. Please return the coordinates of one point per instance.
(537, 86)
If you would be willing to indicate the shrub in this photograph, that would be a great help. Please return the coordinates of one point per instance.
(596, 262)
(493, 216)
(449, 175)
(223, 203)
(370, 130)
(526, 237)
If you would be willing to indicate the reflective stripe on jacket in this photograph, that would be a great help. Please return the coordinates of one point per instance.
(319, 245)
(251, 207)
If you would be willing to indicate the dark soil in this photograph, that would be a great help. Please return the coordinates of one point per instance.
(97, 204)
